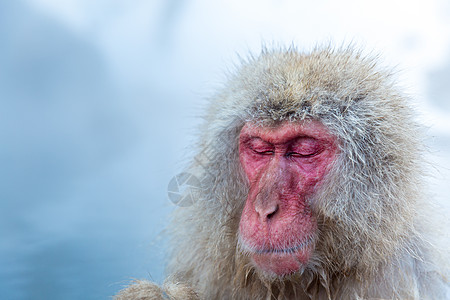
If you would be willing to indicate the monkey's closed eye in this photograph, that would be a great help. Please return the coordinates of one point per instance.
(305, 147)
(260, 147)
(269, 152)
(295, 154)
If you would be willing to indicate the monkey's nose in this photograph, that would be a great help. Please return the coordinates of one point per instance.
(267, 212)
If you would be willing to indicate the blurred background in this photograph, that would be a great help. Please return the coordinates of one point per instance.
(99, 102)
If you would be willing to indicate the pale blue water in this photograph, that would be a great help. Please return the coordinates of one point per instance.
(82, 191)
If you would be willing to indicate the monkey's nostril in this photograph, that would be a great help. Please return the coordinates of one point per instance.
(272, 212)
(266, 212)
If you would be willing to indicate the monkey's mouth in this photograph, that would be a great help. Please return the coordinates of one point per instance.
(253, 249)
(301, 245)
(280, 261)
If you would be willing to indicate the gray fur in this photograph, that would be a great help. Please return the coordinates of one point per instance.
(374, 239)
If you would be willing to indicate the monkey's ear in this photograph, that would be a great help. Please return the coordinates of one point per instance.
(146, 290)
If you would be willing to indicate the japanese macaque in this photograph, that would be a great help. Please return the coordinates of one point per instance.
(311, 188)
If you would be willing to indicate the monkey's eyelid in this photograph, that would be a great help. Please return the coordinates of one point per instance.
(268, 152)
(296, 154)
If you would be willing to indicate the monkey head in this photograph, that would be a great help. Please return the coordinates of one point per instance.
(326, 148)
(309, 163)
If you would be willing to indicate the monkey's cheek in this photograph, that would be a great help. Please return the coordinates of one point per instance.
(281, 264)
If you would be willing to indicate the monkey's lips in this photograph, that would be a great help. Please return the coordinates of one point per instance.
(282, 261)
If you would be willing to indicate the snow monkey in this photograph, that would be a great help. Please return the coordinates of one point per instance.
(310, 169)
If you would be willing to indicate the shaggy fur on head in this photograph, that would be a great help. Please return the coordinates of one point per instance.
(373, 236)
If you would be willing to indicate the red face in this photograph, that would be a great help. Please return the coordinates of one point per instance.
(283, 164)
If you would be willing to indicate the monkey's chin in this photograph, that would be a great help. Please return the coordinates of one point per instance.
(275, 263)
